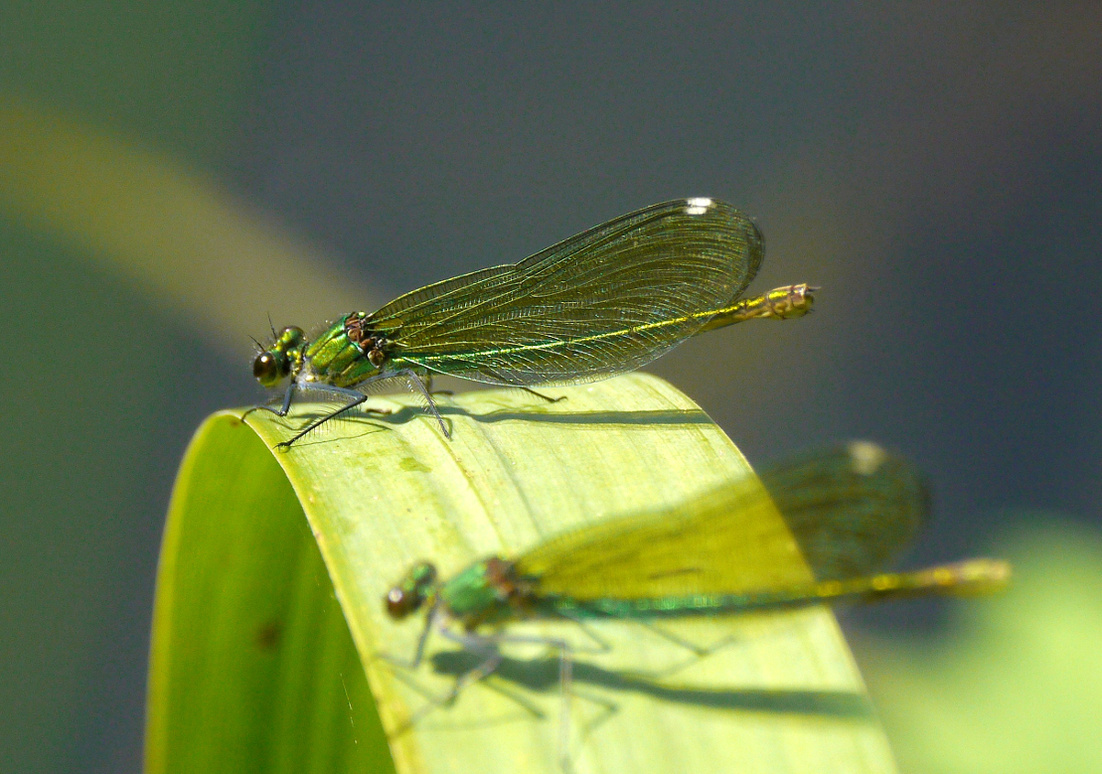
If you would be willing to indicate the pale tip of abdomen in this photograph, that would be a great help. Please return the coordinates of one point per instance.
(978, 576)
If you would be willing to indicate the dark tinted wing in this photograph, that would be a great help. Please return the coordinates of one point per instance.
(847, 510)
(603, 302)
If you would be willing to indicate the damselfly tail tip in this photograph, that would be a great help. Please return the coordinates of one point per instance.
(976, 576)
(791, 301)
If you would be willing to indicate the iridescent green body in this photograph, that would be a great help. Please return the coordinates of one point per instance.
(492, 592)
(335, 359)
(603, 302)
(339, 357)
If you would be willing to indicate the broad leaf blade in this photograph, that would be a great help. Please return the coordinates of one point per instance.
(251, 656)
(379, 493)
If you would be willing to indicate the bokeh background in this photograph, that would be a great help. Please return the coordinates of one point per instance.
(173, 173)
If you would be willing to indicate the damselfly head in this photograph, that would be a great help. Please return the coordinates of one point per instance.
(412, 592)
(274, 364)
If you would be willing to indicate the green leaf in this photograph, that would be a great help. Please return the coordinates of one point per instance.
(253, 669)
(1014, 686)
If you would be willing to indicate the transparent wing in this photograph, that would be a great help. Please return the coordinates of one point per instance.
(852, 510)
(605, 301)
(848, 511)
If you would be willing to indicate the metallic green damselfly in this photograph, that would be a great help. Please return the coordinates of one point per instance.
(846, 511)
(600, 303)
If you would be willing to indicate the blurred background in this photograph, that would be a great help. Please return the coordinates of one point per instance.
(171, 174)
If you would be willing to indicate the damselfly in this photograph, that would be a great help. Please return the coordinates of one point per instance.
(846, 511)
(603, 302)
